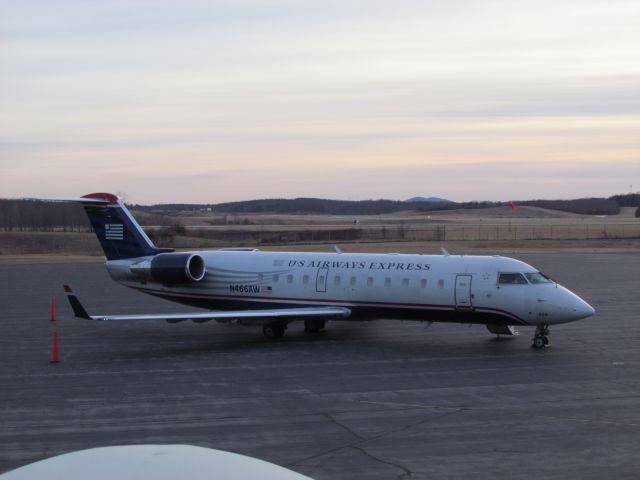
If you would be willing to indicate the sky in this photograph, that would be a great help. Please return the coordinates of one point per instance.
(212, 101)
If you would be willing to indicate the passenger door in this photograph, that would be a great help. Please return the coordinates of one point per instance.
(463, 292)
(321, 279)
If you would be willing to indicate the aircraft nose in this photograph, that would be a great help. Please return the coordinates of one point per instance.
(582, 309)
(576, 308)
(570, 307)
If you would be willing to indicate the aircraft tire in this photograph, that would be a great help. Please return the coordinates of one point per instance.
(539, 342)
(313, 326)
(273, 331)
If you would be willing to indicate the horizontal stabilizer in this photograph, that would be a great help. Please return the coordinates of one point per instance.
(83, 200)
(281, 313)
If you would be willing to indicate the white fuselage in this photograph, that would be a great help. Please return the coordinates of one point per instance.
(419, 287)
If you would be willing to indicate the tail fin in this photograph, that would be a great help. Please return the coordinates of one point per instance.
(118, 232)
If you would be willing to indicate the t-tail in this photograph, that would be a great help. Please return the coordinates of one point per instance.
(118, 232)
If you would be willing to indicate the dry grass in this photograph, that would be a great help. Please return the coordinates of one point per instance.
(495, 215)
(480, 248)
(427, 248)
(485, 231)
(35, 258)
(64, 243)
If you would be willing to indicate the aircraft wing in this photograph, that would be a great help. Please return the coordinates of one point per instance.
(293, 313)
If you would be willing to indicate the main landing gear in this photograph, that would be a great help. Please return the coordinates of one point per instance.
(314, 325)
(541, 339)
(276, 330)
(273, 330)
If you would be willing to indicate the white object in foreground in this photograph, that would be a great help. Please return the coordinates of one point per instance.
(157, 462)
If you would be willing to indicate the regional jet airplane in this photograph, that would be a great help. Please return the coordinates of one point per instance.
(273, 289)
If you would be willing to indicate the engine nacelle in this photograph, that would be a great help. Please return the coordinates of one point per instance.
(172, 268)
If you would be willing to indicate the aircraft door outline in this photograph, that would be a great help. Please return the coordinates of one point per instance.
(463, 292)
(321, 279)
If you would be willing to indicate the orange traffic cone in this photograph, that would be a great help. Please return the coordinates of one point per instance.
(55, 354)
(52, 309)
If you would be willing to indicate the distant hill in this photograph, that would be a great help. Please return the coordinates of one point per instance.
(428, 200)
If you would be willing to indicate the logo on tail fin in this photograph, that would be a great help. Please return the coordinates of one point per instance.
(113, 231)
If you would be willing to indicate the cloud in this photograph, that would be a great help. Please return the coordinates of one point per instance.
(295, 91)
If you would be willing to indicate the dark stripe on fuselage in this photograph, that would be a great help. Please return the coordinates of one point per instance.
(360, 310)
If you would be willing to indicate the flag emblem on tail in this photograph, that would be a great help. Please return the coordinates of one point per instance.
(113, 231)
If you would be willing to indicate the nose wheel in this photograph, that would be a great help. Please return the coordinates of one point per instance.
(541, 339)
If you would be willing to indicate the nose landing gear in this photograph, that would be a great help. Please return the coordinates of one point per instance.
(541, 339)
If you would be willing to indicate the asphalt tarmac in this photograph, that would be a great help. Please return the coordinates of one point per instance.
(375, 400)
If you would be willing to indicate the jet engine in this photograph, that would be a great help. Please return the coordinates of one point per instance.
(172, 268)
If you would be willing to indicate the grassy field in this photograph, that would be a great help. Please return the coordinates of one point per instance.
(499, 215)
(495, 230)
(491, 224)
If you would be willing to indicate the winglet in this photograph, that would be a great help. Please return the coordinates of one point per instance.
(78, 309)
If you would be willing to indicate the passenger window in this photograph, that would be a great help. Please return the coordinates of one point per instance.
(352, 281)
(305, 279)
(336, 281)
(370, 282)
(387, 282)
(289, 278)
(405, 282)
(440, 283)
(423, 283)
(276, 277)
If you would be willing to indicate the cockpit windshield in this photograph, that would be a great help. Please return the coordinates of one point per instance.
(512, 279)
(537, 277)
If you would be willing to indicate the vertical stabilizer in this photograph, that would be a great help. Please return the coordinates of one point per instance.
(118, 232)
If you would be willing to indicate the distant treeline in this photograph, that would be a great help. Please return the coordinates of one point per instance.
(172, 207)
(438, 206)
(583, 206)
(628, 200)
(292, 206)
(33, 215)
(315, 206)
